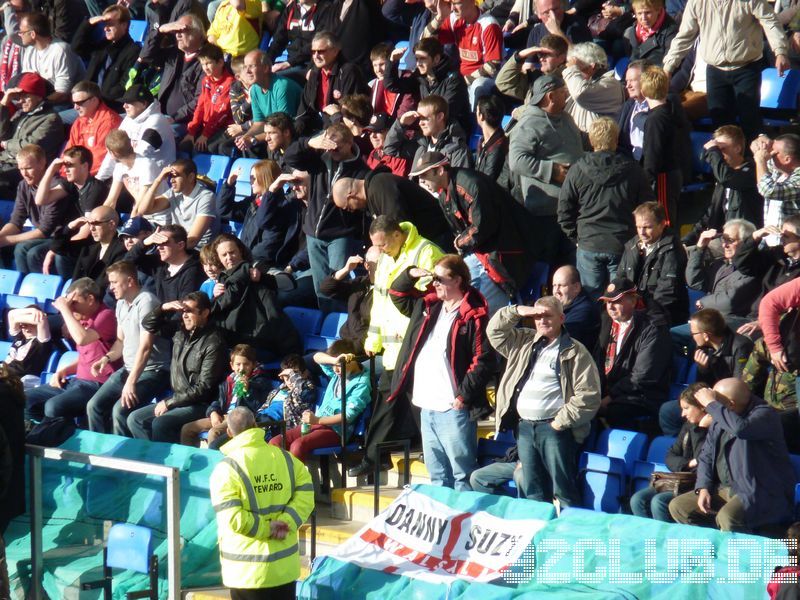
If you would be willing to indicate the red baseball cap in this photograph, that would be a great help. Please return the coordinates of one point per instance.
(33, 83)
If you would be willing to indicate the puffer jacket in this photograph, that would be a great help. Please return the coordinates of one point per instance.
(597, 199)
(468, 352)
(537, 142)
(199, 359)
(580, 380)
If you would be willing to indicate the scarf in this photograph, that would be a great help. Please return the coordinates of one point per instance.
(643, 32)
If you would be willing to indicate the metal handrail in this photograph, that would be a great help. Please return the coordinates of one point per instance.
(170, 474)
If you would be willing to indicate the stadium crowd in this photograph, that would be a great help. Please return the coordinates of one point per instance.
(418, 165)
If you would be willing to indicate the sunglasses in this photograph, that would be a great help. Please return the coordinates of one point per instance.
(97, 223)
(81, 102)
(441, 280)
(319, 51)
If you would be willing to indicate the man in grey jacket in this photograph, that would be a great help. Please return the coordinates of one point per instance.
(551, 391)
(543, 145)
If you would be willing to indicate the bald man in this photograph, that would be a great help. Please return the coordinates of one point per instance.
(745, 480)
(382, 193)
(102, 248)
(581, 313)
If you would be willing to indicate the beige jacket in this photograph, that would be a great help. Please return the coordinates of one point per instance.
(580, 380)
(591, 98)
(730, 33)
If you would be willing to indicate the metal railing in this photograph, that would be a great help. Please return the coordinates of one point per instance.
(171, 474)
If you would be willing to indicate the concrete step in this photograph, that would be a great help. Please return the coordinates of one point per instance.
(330, 533)
(356, 503)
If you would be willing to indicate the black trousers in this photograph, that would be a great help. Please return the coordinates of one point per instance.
(287, 591)
(390, 421)
(736, 93)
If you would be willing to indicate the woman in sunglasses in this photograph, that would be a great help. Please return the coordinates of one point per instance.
(446, 362)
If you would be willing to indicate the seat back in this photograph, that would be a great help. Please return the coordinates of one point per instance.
(137, 30)
(795, 458)
(332, 323)
(403, 64)
(620, 67)
(6, 208)
(699, 139)
(67, 359)
(243, 167)
(129, 547)
(657, 452)
(42, 287)
(213, 166)
(4, 348)
(9, 281)
(780, 93)
(307, 321)
(628, 446)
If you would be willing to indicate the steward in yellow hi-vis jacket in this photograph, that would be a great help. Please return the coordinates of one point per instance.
(261, 495)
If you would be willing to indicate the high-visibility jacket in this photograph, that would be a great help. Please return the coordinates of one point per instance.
(254, 484)
(387, 325)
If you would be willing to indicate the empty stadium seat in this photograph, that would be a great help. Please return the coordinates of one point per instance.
(654, 461)
(36, 289)
(213, 166)
(779, 94)
(307, 321)
(138, 30)
(694, 296)
(243, 167)
(9, 284)
(329, 332)
(606, 472)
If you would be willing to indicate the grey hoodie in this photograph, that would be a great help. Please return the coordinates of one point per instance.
(537, 142)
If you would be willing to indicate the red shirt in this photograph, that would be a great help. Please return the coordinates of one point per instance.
(399, 166)
(478, 43)
(92, 133)
(324, 84)
(213, 111)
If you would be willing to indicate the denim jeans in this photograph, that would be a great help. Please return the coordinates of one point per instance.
(50, 401)
(106, 401)
(491, 478)
(669, 417)
(652, 505)
(144, 425)
(29, 255)
(496, 298)
(549, 463)
(596, 270)
(326, 258)
(450, 446)
(736, 93)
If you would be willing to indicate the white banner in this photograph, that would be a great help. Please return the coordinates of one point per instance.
(420, 537)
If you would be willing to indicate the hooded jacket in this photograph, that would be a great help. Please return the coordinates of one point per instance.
(761, 473)
(537, 142)
(451, 142)
(597, 198)
(659, 278)
(580, 381)
(468, 352)
(248, 312)
(199, 359)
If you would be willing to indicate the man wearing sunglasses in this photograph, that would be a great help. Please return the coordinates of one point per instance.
(93, 123)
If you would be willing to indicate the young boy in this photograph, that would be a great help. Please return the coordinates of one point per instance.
(326, 429)
(293, 397)
(384, 101)
(31, 346)
(212, 267)
(206, 130)
(246, 386)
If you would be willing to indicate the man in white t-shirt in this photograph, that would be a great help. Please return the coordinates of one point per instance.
(187, 202)
(132, 172)
(551, 390)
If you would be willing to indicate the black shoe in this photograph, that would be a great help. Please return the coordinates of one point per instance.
(365, 467)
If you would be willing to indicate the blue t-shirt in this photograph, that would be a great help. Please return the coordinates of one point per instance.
(283, 95)
(359, 393)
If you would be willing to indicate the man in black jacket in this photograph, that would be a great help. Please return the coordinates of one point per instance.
(581, 314)
(180, 79)
(381, 193)
(199, 362)
(331, 75)
(656, 261)
(634, 357)
(110, 58)
(596, 203)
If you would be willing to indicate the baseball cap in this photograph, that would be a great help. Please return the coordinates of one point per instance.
(33, 83)
(618, 287)
(427, 161)
(379, 122)
(544, 84)
(134, 226)
(137, 93)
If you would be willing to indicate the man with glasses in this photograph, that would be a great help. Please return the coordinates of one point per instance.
(53, 59)
(268, 95)
(111, 57)
(329, 81)
(26, 118)
(94, 122)
(187, 202)
(175, 270)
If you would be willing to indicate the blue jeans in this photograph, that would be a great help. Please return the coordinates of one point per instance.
(596, 270)
(29, 255)
(496, 298)
(50, 401)
(106, 401)
(549, 463)
(490, 478)
(669, 417)
(326, 258)
(652, 505)
(144, 425)
(450, 445)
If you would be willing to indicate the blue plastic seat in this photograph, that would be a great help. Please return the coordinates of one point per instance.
(620, 67)
(36, 289)
(6, 208)
(4, 348)
(307, 321)
(65, 359)
(537, 281)
(138, 30)
(9, 284)
(694, 296)
(328, 333)
(129, 547)
(654, 461)
(213, 166)
(780, 93)
(606, 471)
(403, 64)
(243, 167)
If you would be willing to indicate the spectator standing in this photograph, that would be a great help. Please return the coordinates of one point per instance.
(596, 203)
(94, 122)
(581, 314)
(778, 174)
(144, 374)
(650, 37)
(593, 89)
(492, 151)
(731, 44)
(236, 27)
(550, 390)
(198, 364)
(296, 26)
(257, 541)
(633, 112)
